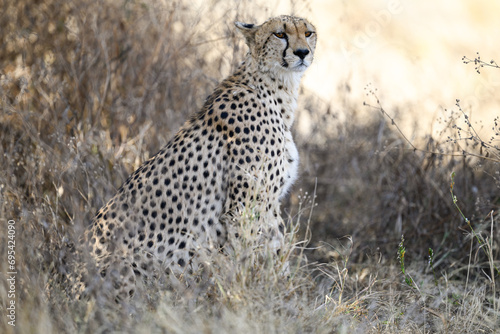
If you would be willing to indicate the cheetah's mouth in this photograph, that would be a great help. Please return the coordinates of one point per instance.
(300, 65)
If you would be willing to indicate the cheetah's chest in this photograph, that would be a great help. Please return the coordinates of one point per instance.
(287, 105)
(291, 164)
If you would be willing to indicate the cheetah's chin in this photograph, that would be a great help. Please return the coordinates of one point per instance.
(300, 66)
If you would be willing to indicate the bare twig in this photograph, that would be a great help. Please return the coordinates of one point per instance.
(488, 146)
(479, 63)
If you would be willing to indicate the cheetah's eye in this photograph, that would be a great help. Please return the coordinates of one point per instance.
(308, 33)
(279, 34)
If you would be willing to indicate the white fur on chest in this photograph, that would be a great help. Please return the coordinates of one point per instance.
(289, 96)
(291, 163)
(285, 89)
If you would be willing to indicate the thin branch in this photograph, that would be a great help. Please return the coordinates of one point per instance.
(464, 153)
(479, 63)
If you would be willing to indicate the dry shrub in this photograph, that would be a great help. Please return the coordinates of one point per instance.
(373, 185)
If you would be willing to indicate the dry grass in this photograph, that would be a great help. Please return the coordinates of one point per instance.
(90, 89)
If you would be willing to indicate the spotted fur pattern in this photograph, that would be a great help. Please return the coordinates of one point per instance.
(238, 147)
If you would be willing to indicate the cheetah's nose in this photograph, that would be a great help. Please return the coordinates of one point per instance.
(301, 53)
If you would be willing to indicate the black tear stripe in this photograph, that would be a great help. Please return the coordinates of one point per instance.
(285, 64)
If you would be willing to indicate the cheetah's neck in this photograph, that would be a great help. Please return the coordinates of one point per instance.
(283, 85)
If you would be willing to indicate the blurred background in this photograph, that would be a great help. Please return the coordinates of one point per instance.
(412, 53)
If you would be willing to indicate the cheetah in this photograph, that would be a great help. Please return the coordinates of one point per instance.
(239, 146)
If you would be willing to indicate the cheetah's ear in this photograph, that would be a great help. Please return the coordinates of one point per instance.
(248, 30)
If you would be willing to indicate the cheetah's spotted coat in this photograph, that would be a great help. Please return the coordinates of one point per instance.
(183, 199)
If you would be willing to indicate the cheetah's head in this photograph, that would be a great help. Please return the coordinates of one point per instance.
(281, 44)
